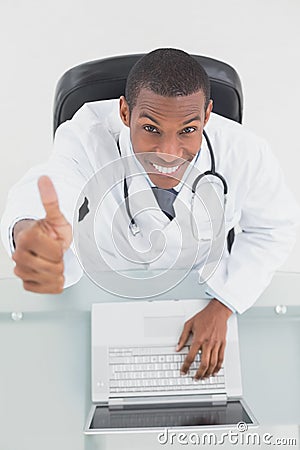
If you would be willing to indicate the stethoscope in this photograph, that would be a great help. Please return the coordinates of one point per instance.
(134, 227)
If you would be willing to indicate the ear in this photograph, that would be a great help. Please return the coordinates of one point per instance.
(124, 111)
(208, 111)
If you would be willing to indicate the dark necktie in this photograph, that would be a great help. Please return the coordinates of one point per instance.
(165, 198)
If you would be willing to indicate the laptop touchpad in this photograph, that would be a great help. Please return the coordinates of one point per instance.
(163, 326)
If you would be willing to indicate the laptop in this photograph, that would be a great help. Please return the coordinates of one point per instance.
(136, 382)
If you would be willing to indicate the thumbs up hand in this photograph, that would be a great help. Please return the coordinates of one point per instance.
(54, 222)
(40, 245)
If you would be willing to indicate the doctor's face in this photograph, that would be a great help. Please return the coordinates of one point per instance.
(166, 133)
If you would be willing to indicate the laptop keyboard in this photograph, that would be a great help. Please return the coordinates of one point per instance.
(157, 370)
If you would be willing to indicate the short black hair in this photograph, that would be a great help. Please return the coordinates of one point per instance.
(168, 72)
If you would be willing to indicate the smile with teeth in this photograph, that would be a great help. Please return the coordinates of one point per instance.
(166, 170)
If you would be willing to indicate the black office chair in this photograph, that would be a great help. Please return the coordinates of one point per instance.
(105, 79)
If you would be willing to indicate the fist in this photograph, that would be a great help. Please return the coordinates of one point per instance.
(40, 245)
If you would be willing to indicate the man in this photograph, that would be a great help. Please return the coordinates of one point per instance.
(163, 114)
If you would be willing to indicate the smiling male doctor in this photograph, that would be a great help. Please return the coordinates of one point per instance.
(160, 121)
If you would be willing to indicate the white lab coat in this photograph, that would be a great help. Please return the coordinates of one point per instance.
(258, 201)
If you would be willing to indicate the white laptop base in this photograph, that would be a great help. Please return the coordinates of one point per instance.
(136, 381)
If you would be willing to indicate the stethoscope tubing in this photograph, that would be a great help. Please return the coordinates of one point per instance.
(134, 226)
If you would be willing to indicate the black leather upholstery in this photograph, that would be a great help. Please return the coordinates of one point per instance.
(105, 79)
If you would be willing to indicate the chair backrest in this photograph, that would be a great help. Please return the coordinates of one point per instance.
(105, 79)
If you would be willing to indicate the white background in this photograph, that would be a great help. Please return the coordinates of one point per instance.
(41, 40)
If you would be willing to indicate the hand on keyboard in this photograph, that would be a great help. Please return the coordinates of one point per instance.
(156, 370)
(209, 328)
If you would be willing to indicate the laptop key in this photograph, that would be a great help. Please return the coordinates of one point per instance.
(156, 369)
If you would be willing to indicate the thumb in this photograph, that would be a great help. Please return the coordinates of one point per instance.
(184, 336)
(50, 200)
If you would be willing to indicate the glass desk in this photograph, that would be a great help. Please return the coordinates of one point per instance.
(45, 365)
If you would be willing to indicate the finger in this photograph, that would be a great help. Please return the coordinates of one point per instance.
(36, 241)
(184, 335)
(41, 278)
(50, 200)
(190, 357)
(204, 363)
(42, 288)
(214, 357)
(27, 261)
(220, 357)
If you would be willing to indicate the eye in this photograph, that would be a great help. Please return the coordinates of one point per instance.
(188, 130)
(151, 129)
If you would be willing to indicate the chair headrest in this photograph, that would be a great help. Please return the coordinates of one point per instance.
(105, 79)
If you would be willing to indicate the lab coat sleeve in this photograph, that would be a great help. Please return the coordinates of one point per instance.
(269, 219)
(69, 170)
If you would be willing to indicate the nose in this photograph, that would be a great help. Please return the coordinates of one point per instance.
(170, 149)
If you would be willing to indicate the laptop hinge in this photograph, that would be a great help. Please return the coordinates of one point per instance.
(214, 399)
